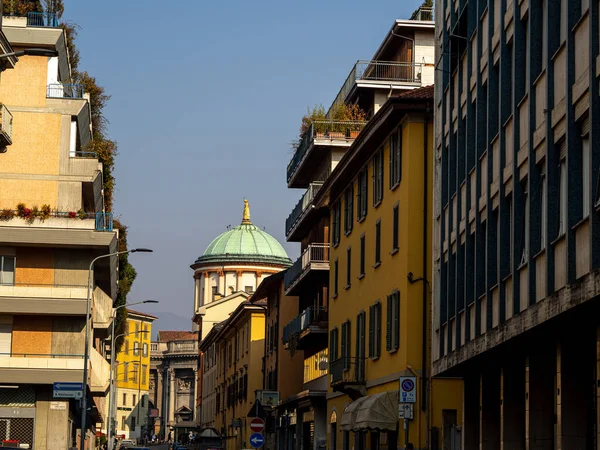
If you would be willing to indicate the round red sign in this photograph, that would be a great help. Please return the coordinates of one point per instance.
(257, 425)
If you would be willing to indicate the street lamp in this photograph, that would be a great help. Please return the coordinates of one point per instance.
(111, 393)
(86, 350)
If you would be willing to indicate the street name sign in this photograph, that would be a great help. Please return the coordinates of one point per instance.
(67, 390)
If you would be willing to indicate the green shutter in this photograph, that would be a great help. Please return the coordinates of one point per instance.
(396, 325)
(378, 330)
(388, 333)
(371, 331)
(331, 344)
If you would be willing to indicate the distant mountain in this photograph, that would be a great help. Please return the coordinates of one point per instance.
(170, 322)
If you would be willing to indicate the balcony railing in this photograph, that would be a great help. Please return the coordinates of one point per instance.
(154, 347)
(6, 123)
(58, 90)
(314, 253)
(182, 347)
(322, 130)
(379, 71)
(424, 13)
(347, 370)
(58, 219)
(303, 204)
(310, 316)
(42, 19)
(104, 221)
(316, 366)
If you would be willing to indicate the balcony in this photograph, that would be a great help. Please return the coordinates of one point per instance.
(18, 368)
(102, 313)
(306, 330)
(315, 145)
(99, 373)
(424, 13)
(42, 19)
(348, 375)
(71, 91)
(6, 121)
(313, 265)
(182, 347)
(315, 371)
(380, 75)
(302, 211)
(51, 299)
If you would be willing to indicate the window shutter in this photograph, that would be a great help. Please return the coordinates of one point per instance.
(399, 155)
(388, 334)
(344, 334)
(396, 327)
(371, 331)
(378, 330)
(363, 319)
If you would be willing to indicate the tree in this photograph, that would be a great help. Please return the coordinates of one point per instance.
(425, 4)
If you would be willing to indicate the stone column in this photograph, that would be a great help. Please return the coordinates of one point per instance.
(258, 278)
(158, 394)
(195, 396)
(238, 280)
(198, 299)
(172, 395)
(207, 289)
(221, 282)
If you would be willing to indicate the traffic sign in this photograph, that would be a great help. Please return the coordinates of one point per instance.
(67, 390)
(257, 410)
(405, 411)
(257, 425)
(408, 389)
(257, 440)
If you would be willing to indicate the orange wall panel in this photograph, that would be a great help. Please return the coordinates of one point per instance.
(34, 266)
(32, 335)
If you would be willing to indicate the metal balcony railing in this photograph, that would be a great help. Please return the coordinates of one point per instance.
(322, 129)
(310, 316)
(6, 123)
(424, 13)
(104, 221)
(303, 204)
(42, 19)
(58, 90)
(348, 369)
(314, 253)
(384, 71)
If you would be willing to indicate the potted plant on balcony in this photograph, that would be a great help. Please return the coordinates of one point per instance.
(355, 114)
(316, 114)
(336, 129)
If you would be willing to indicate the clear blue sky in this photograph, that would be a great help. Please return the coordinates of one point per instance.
(206, 97)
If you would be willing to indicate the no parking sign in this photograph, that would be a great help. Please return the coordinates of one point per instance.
(408, 389)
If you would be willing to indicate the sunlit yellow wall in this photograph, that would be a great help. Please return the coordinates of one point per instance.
(390, 275)
(127, 355)
(36, 137)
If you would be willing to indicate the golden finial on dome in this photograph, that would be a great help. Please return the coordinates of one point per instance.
(246, 215)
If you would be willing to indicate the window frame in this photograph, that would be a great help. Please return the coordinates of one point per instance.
(393, 322)
(348, 209)
(335, 224)
(377, 243)
(362, 194)
(336, 273)
(348, 267)
(2, 271)
(362, 255)
(396, 228)
(377, 176)
(375, 330)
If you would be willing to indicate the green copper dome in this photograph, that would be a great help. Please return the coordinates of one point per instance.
(245, 243)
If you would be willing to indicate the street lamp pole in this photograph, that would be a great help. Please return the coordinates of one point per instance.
(111, 393)
(86, 350)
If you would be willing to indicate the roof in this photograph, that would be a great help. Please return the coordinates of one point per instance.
(168, 336)
(138, 313)
(245, 243)
(425, 93)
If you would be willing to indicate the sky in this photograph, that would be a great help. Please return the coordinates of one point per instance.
(206, 97)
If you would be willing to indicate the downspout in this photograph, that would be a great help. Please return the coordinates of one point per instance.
(424, 372)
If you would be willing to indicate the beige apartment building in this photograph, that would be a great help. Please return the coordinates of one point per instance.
(52, 224)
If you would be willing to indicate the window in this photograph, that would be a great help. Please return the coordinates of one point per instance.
(249, 289)
(7, 270)
(395, 158)
(126, 347)
(396, 227)
(393, 322)
(214, 291)
(361, 320)
(362, 194)
(136, 348)
(143, 400)
(544, 220)
(229, 353)
(335, 277)
(123, 423)
(362, 256)
(134, 399)
(137, 328)
(134, 375)
(378, 177)
(562, 204)
(144, 370)
(348, 209)
(378, 243)
(333, 344)
(348, 266)
(346, 343)
(126, 372)
(335, 223)
(145, 349)
(585, 176)
(124, 399)
(133, 424)
(375, 330)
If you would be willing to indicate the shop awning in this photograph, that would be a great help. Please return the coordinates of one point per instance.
(373, 412)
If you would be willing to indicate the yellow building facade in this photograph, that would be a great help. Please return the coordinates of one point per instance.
(133, 375)
(379, 318)
(240, 345)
